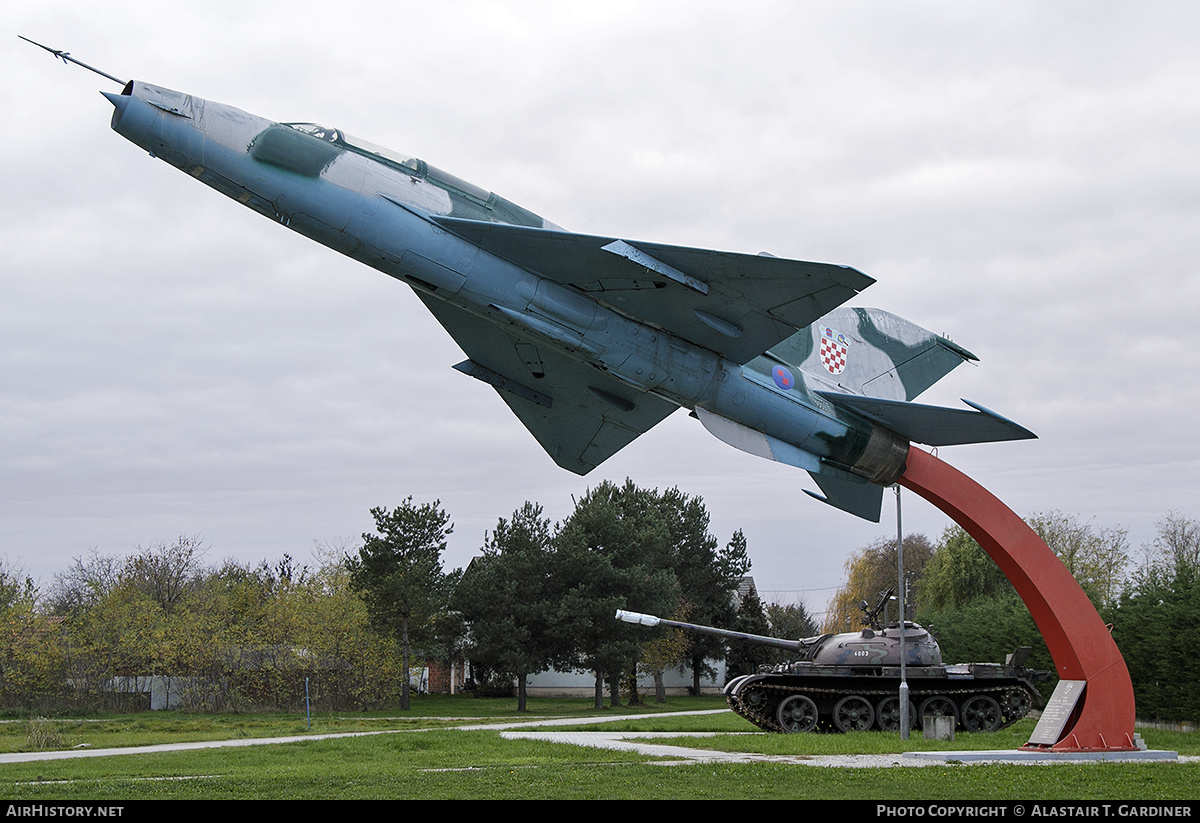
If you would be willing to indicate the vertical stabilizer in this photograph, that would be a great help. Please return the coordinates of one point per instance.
(870, 352)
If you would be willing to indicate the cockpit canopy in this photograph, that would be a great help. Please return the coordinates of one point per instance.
(310, 148)
(409, 165)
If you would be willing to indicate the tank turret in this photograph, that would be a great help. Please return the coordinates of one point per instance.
(850, 681)
(869, 647)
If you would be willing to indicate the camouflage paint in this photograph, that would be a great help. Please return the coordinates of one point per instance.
(591, 341)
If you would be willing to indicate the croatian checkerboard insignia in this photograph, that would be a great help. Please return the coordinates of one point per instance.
(834, 348)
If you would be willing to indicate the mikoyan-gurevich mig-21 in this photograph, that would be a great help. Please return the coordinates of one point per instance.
(590, 340)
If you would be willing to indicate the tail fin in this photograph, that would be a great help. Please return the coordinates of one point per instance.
(870, 352)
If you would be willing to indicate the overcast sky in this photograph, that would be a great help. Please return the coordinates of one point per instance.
(1023, 177)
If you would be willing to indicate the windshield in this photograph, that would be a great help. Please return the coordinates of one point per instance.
(339, 137)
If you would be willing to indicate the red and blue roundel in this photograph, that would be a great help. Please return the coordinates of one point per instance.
(784, 379)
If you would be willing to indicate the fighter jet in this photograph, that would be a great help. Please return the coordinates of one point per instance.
(593, 340)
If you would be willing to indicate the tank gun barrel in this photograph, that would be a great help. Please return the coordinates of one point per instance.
(651, 620)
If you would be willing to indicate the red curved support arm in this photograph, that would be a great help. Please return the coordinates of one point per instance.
(1077, 638)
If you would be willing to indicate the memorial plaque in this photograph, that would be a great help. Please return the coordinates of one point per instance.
(1054, 718)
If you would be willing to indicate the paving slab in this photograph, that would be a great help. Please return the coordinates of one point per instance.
(1017, 756)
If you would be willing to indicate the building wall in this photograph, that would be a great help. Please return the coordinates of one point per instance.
(554, 683)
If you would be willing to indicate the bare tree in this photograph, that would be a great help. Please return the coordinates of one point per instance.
(164, 572)
(1178, 541)
(1095, 556)
(85, 583)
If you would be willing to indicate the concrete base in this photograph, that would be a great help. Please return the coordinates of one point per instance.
(1014, 756)
(938, 727)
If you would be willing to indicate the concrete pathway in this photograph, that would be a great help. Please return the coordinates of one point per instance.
(30, 757)
(636, 742)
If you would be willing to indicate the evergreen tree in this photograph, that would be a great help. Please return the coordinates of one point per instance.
(744, 657)
(707, 576)
(398, 572)
(509, 597)
(615, 553)
(1155, 623)
(790, 620)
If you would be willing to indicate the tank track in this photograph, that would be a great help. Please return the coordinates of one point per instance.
(758, 700)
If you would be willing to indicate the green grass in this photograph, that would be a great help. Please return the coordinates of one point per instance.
(424, 760)
(431, 711)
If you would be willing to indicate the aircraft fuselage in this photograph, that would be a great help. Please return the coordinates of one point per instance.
(591, 341)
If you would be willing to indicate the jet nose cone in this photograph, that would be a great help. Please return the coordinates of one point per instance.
(119, 101)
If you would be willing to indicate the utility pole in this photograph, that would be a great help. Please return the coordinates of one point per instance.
(903, 651)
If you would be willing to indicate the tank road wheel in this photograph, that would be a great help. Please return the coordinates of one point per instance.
(981, 714)
(754, 699)
(938, 705)
(1015, 703)
(887, 714)
(853, 714)
(797, 714)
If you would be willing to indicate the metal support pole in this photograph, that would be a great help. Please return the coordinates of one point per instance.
(904, 708)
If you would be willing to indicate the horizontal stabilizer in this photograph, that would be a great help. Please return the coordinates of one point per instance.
(933, 425)
(849, 493)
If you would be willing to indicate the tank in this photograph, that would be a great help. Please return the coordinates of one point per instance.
(851, 681)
